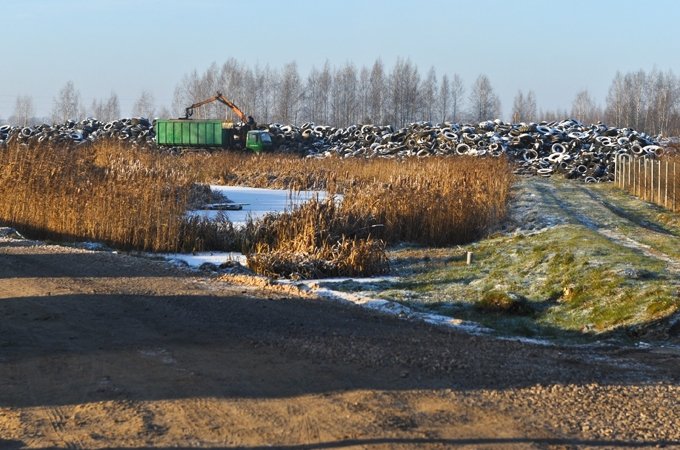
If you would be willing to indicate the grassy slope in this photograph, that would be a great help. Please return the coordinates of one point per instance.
(566, 281)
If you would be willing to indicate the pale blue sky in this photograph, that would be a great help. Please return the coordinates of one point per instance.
(555, 48)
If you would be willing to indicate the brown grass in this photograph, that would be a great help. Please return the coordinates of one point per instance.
(126, 199)
(320, 238)
(136, 199)
(438, 201)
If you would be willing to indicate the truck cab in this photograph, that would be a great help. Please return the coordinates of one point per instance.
(258, 140)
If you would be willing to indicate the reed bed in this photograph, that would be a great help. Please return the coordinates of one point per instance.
(137, 199)
(319, 238)
(124, 198)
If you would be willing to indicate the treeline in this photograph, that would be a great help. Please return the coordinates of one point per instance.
(340, 96)
(347, 94)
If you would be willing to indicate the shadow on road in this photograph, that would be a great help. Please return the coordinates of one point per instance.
(109, 347)
(104, 344)
(44, 264)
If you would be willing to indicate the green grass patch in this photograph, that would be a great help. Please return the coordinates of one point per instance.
(567, 282)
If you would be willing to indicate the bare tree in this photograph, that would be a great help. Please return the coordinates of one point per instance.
(444, 99)
(67, 104)
(530, 104)
(616, 100)
(23, 111)
(404, 88)
(584, 108)
(106, 110)
(428, 95)
(664, 97)
(325, 83)
(645, 101)
(457, 93)
(364, 87)
(344, 96)
(484, 103)
(113, 107)
(289, 93)
(376, 92)
(518, 107)
(311, 105)
(636, 110)
(208, 85)
(144, 106)
(266, 81)
(553, 115)
(164, 112)
(524, 107)
(96, 109)
(317, 91)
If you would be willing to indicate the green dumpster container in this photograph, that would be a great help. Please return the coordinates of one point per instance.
(194, 133)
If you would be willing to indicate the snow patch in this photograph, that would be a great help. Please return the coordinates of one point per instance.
(196, 260)
(391, 308)
(257, 202)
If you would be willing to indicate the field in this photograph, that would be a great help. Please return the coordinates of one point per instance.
(559, 259)
(103, 349)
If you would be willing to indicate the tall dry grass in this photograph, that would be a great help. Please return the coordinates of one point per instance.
(319, 238)
(123, 197)
(137, 199)
(436, 201)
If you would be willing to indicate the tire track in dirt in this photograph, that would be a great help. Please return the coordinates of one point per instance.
(580, 205)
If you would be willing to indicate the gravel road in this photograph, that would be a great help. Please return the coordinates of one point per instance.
(101, 350)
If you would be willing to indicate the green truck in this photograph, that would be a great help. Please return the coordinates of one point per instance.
(211, 133)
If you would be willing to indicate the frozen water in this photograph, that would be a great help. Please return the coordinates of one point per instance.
(259, 202)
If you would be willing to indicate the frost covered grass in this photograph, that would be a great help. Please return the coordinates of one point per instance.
(136, 199)
(564, 281)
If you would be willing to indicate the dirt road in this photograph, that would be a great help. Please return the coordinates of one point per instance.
(99, 350)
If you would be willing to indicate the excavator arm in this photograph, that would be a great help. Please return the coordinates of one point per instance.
(222, 99)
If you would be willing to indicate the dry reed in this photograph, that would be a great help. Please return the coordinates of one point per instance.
(137, 199)
(122, 197)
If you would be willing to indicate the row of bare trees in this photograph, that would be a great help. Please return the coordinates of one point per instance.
(647, 101)
(68, 106)
(346, 94)
(338, 95)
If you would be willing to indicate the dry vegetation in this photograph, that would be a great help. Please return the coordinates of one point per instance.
(125, 199)
(135, 199)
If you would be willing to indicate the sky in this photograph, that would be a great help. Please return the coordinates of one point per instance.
(555, 48)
